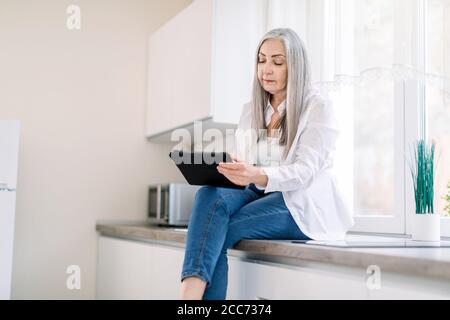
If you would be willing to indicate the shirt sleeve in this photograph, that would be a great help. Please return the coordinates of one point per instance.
(259, 187)
(314, 145)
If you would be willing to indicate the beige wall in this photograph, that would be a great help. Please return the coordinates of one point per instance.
(80, 97)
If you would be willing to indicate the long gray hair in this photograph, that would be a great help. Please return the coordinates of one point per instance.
(298, 82)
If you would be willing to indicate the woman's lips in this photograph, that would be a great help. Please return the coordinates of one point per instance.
(269, 81)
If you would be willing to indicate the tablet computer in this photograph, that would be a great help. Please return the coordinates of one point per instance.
(200, 168)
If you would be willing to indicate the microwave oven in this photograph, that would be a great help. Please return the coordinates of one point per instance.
(170, 204)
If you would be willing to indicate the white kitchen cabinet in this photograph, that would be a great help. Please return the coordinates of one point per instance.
(166, 264)
(129, 269)
(405, 287)
(123, 269)
(264, 280)
(201, 65)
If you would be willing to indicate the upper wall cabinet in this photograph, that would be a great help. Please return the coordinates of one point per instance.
(201, 65)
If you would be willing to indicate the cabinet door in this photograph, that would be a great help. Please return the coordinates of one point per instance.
(309, 283)
(239, 286)
(166, 272)
(179, 72)
(252, 280)
(135, 270)
(123, 269)
(238, 27)
(202, 62)
(407, 287)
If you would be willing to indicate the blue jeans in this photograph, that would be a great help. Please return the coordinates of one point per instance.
(220, 218)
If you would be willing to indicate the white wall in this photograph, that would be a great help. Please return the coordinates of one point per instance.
(80, 97)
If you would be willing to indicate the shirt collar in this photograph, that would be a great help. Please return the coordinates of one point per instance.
(268, 112)
(281, 108)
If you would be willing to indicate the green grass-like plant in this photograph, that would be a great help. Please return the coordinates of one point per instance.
(447, 198)
(422, 172)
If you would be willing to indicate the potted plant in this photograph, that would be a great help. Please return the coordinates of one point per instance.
(447, 198)
(426, 222)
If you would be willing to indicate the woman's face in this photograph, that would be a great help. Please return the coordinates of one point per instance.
(272, 67)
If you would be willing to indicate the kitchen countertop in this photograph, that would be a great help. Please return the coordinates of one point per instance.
(423, 262)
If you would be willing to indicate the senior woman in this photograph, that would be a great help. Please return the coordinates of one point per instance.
(289, 131)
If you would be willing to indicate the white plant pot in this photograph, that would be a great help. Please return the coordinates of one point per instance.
(426, 227)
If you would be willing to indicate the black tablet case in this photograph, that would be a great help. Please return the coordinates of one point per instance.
(199, 169)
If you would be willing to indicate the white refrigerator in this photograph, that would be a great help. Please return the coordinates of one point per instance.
(9, 155)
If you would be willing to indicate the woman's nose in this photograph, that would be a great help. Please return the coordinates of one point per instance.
(267, 70)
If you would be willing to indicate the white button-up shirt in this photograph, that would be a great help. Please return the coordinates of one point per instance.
(306, 177)
(268, 150)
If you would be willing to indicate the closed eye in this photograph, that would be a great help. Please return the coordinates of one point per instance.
(277, 64)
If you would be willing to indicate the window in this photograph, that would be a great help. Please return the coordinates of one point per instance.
(368, 43)
(370, 56)
(373, 104)
(437, 96)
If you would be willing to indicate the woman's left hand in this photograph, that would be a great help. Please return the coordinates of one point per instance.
(241, 173)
